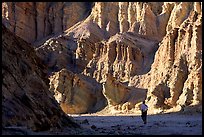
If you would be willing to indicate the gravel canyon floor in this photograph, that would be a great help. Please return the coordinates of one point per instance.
(159, 124)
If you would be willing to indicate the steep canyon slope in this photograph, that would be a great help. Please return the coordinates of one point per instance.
(26, 99)
(120, 53)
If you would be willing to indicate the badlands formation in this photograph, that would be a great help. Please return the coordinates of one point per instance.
(114, 55)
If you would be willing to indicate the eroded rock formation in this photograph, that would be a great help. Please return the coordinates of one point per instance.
(129, 56)
(146, 18)
(26, 99)
(178, 71)
(34, 21)
(119, 94)
(76, 93)
(153, 46)
(122, 56)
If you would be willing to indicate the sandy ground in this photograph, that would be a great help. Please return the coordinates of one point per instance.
(126, 124)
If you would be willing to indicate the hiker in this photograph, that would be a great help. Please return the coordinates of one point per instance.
(144, 109)
(73, 59)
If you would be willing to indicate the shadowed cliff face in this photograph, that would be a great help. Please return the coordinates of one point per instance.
(153, 46)
(26, 99)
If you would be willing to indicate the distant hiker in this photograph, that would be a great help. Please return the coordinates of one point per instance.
(73, 59)
(144, 109)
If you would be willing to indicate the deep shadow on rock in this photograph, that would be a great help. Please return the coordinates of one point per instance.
(26, 99)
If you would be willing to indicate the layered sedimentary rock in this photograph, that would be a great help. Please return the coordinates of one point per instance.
(33, 21)
(26, 99)
(76, 93)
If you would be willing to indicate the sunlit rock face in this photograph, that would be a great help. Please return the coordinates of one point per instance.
(75, 46)
(145, 46)
(177, 67)
(26, 99)
(164, 58)
(119, 94)
(140, 17)
(33, 21)
(123, 56)
(76, 93)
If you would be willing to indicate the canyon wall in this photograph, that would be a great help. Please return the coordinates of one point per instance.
(141, 46)
(154, 53)
(140, 17)
(33, 21)
(26, 99)
(176, 74)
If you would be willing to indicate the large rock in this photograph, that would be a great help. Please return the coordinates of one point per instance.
(76, 93)
(118, 94)
(146, 18)
(26, 99)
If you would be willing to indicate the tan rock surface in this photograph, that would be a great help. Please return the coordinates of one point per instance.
(180, 67)
(72, 49)
(123, 56)
(121, 96)
(76, 93)
(34, 21)
(128, 56)
(145, 45)
(146, 18)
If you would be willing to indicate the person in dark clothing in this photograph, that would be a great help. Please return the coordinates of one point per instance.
(144, 109)
(73, 60)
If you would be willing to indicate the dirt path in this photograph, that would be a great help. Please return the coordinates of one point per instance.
(160, 124)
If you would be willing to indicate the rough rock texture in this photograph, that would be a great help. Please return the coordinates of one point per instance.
(122, 56)
(130, 56)
(76, 93)
(42, 19)
(54, 54)
(73, 48)
(26, 99)
(146, 18)
(178, 71)
(120, 95)
(146, 45)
